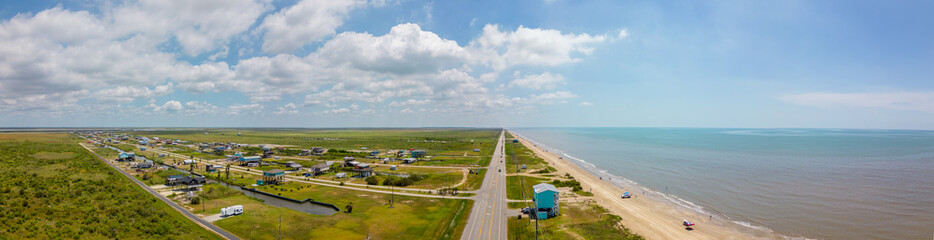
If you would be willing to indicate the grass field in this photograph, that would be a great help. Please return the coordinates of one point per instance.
(411, 217)
(513, 190)
(582, 220)
(522, 156)
(52, 188)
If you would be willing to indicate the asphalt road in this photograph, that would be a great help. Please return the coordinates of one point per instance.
(178, 208)
(488, 217)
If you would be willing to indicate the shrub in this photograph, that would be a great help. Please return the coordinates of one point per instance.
(372, 180)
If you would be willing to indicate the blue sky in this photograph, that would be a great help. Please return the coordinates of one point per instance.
(383, 63)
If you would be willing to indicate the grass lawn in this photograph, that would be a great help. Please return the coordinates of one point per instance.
(513, 189)
(52, 188)
(577, 221)
(522, 156)
(474, 181)
(411, 217)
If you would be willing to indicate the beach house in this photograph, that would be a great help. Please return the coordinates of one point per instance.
(417, 153)
(251, 161)
(546, 201)
(294, 166)
(320, 168)
(126, 156)
(273, 176)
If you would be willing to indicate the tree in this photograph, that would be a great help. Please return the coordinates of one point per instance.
(349, 206)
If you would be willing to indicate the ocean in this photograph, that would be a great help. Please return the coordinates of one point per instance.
(797, 183)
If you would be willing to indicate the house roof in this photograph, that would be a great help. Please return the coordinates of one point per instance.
(321, 165)
(274, 171)
(541, 187)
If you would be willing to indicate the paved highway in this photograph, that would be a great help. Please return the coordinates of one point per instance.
(488, 217)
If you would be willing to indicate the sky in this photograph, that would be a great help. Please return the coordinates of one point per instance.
(385, 63)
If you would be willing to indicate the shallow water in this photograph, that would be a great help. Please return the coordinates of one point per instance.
(813, 183)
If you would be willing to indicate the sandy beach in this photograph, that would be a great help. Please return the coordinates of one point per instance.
(644, 216)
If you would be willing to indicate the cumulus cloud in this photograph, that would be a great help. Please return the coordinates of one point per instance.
(290, 108)
(907, 101)
(128, 94)
(169, 106)
(146, 49)
(586, 104)
(198, 26)
(305, 22)
(545, 80)
(405, 49)
(532, 46)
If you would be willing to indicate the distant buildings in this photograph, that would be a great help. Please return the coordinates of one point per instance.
(546, 201)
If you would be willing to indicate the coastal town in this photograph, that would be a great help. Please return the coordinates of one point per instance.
(448, 184)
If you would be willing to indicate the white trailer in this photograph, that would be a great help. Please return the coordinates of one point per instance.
(189, 161)
(232, 210)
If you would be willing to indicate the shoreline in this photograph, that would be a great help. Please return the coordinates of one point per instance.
(647, 217)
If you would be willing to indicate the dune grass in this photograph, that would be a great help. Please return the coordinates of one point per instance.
(584, 220)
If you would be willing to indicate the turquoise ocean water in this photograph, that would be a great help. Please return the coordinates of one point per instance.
(798, 183)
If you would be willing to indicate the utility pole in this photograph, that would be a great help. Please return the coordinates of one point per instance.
(392, 195)
(280, 227)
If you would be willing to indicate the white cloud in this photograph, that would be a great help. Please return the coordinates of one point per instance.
(532, 46)
(551, 98)
(623, 33)
(169, 106)
(128, 94)
(907, 101)
(51, 60)
(406, 49)
(198, 26)
(198, 108)
(586, 104)
(305, 22)
(290, 108)
(545, 80)
(245, 108)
